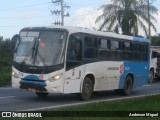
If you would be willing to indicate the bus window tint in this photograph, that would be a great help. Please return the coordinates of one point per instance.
(114, 45)
(74, 51)
(136, 52)
(103, 50)
(103, 44)
(115, 52)
(144, 53)
(127, 54)
(90, 47)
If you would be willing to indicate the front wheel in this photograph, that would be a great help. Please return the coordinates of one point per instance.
(87, 89)
(41, 94)
(128, 86)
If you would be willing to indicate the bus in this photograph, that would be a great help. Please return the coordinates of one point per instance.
(153, 72)
(60, 59)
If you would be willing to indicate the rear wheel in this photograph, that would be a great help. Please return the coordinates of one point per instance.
(87, 89)
(42, 94)
(128, 86)
(151, 76)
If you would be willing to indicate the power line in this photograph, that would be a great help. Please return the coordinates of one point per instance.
(23, 10)
(25, 6)
(23, 17)
(61, 11)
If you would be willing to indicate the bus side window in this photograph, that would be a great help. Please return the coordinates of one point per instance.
(127, 54)
(74, 51)
(154, 54)
(137, 52)
(103, 48)
(90, 47)
(144, 52)
(16, 39)
(115, 50)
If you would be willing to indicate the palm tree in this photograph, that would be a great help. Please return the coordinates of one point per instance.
(127, 15)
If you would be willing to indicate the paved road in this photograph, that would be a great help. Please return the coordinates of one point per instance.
(17, 100)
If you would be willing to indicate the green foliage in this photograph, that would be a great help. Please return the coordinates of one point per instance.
(156, 41)
(127, 15)
(5, 77)
(6, 56)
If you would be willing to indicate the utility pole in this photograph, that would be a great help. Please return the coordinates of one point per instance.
(61, 11)
(149, 22)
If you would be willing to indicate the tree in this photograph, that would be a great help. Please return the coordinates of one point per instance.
(127, 15)
(155, 41)
(1, 38)
(6, 52)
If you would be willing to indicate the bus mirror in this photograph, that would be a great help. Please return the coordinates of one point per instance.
(16, 40)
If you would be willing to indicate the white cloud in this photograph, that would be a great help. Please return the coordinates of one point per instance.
(84, 17)
(158, 22)
(83, 11)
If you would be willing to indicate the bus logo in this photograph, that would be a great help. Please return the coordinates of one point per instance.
(121, 69)
(41, 77)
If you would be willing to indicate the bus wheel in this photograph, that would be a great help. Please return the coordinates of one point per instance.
(87, 89)
(151, 76)
(42, 94)
(128, 86)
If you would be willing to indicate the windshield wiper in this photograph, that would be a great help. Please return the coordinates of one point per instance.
(33, 51)
(36, 53)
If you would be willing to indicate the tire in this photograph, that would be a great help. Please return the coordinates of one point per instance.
(151, 76)
(128, 86)
(42, 94)
(87, 89)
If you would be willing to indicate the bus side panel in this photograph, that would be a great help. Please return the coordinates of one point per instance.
(74, 77)
(72, 81)
(106, 76)
(139, 70)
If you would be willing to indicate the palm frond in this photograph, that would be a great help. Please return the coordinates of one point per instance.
(129, 15)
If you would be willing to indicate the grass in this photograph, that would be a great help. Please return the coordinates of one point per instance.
(149, 104)
(5, 76)
(143, 104)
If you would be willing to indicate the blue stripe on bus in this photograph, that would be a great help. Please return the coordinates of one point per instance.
(141, 39)
(140, 75)
(32, 79)
(32, 82)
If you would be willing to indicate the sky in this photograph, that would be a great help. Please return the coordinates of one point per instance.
(17, 14)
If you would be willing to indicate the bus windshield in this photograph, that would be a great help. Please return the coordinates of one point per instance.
(43, 48)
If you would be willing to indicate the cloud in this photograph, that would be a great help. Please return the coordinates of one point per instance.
(83, 11)
(158, 22)
(84, 17)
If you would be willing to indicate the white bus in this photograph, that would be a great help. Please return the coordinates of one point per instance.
(153, 65)
(75, 60)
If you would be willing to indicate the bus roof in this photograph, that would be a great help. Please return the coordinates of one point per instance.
(93, 32)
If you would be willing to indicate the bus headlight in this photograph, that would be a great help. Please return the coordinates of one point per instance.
(54, 78)
(15, 75)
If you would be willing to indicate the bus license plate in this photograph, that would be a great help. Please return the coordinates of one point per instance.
(32, 90)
